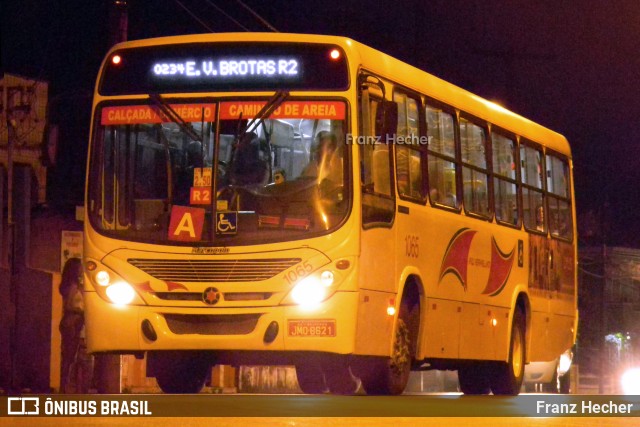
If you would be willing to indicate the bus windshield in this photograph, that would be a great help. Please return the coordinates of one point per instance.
(278, 177)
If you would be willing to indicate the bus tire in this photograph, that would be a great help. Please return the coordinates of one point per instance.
(474, 379)
(390, 375)
(551, 386)
(182, 372)
(338, 376)
(564, 383)
(310, 378)
(507, 376)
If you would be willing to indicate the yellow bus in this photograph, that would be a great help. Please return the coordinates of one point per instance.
(307, 200)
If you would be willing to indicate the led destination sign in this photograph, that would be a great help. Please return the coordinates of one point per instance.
(229, 68)
(224, 67)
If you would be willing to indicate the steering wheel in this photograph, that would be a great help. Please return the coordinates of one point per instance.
(331, 191)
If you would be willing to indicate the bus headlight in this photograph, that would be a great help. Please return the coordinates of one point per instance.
(111, 287)
(121, 293)
(565, 362)
(314, 289)
(630, 381)
(103, 278)
(326, 278)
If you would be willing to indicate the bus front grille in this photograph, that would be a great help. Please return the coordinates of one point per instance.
(227, 296)
(239, 270)
(203, 324)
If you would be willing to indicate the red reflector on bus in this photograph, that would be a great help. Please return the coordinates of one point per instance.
(297, 223)
(268, 221)
(343, 264)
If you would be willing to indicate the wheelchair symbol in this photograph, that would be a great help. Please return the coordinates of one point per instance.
(226, 223)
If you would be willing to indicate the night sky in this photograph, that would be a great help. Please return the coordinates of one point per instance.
(573, 66)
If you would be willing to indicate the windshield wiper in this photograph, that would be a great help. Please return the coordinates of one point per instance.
(171, 114)
(167, 155)
(274, 102)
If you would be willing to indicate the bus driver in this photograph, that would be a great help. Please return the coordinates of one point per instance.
(326, 160)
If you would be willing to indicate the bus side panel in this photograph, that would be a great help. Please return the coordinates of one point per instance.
(378, 286)
(495, 272)
(538, 279)
(377, 260)
(422, 236)
(471, 270)
(442, 329)
(500, 332)
(563, 303)
(374, 325)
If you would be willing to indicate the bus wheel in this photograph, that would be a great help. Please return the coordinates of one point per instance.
(551, 386)
(390, 375)
(474, 379)
(564, 383)
(182, 372)
(310, 378)
(338, 376)
(507, 376)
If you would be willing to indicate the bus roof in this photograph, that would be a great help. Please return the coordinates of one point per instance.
(395, 70)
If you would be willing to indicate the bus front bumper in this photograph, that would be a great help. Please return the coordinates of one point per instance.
(330, 327)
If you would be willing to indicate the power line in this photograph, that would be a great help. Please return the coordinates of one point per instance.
(258, 17)
(212, 4)
(194, 16)
(589, 273)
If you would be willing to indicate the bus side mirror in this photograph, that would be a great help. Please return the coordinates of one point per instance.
(80, 213)
(386, 119)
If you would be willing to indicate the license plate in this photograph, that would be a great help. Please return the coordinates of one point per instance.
(312, 328)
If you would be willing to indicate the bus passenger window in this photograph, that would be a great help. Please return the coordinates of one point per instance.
(378, 205)
(559, 197)
(533, 203)
(442, 153)
(408, 153)
(504, 182)
(380, 171)
(474, 168)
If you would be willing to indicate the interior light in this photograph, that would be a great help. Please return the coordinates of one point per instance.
(494, 322)
(391, 310)
(102, 278)
(335, 54)
(116, 59)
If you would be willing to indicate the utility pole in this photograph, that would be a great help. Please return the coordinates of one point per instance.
(603, 296)
(108, 366)
(13, 292)
(118, 21)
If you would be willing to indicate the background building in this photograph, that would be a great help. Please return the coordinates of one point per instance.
(609, 304)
